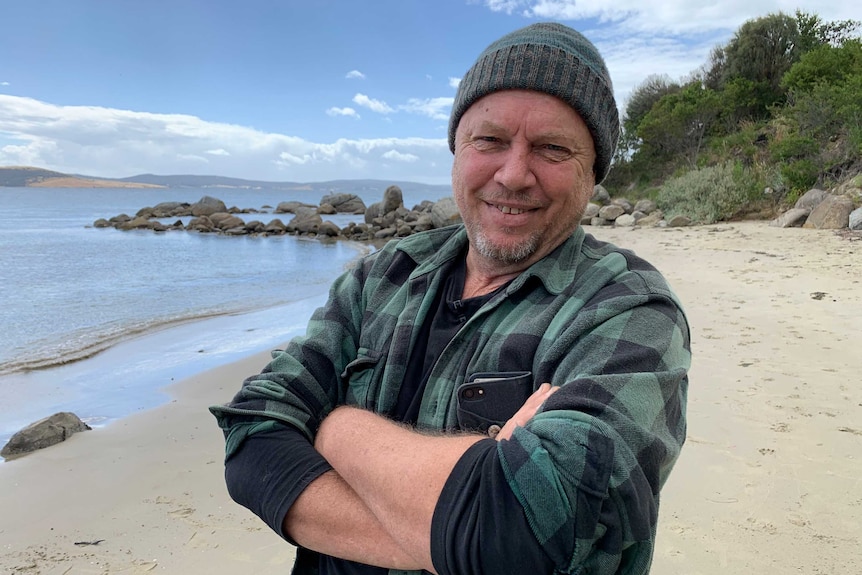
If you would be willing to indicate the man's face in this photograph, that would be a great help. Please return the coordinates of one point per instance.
(522, 176)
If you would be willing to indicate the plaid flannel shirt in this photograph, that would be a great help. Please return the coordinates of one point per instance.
(590, 317)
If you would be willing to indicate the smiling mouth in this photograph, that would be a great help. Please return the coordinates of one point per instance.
(508, 210)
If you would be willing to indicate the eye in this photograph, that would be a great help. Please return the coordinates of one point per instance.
(555, 152)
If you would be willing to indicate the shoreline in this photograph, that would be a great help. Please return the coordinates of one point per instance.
(767, 480)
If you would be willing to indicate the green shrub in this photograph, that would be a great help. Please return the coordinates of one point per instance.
(711, 194)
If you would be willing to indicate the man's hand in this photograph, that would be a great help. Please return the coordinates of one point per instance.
(527, 411)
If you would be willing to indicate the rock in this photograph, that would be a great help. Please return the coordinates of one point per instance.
(139, 223)
(328, 228)
(344, 203)
(201, 224)
(598, 221)
(811, 199)
(600, 195)
(678, 222)
(43, 433)
(290, 207)
(646, 206)
(392, 199)
(306, 221)
(276, 226)
(592, 210)
(855, 219)
(101, 223)
(625, 221)
(624, 204)
(833, 213)
(207, 206)
(225, 221)
(611, 212)
(792, 218)
(445, 213)
(326, 209)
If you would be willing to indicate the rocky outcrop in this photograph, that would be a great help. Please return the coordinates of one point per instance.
(822, 210)
(43, 433)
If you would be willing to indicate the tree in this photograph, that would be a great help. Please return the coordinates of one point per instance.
(678, 123)
(762, 51)
(814, 32)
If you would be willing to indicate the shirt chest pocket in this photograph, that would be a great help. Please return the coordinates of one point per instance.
(362, 377)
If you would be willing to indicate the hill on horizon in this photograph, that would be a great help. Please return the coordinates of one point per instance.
(29, 176)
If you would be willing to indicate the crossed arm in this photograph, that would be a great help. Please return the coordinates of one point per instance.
(377, 504)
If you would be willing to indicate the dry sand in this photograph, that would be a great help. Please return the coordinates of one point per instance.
(770, 480)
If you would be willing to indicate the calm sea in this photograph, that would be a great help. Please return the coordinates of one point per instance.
(97, 321)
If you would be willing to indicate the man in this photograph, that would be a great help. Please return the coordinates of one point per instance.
(506, 396)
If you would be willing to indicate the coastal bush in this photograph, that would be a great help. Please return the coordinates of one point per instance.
(711, 194)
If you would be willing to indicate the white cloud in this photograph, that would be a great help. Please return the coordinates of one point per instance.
(399, 157)
(109, 142)
(454, 82)
(5, 84)
(378, 106)
(436, 108)
(355, 75)
(342, 112)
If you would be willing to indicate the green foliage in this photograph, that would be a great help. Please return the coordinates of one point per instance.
(781, 101)
(814, 32)
(678, 123)
(799, 175)
(825, 65)
(762, 51)
(711, 194)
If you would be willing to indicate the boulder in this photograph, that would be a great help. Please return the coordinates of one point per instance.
(225, 221)
(392, 199)
(276, 226)
(652, 219)
(344, 203)
(600, 196)
(624, 204)
(290, 207)
(625, 221)
(833, 213)
(811, 199)
(592, 210)
(306, 221)
(445, 213)
(855, 219)
(207, 206)
(679, 222)
(792, 218)
(645, 206)
(611, 212)
(43, 433)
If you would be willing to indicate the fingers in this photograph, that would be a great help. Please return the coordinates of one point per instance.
(527, 411)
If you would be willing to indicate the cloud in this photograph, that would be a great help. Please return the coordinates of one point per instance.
(454, 82)
(436, 108)
(110, 142)
(399, 157)
(374, 105)
(342, 112)
(355, 75)
(5, 84)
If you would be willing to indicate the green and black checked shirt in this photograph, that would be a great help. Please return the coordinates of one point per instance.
(592, 318)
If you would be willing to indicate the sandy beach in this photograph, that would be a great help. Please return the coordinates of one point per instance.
(770, 479)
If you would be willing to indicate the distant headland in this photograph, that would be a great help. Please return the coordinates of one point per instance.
(34, 177)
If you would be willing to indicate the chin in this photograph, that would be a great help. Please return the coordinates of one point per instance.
(512, 252)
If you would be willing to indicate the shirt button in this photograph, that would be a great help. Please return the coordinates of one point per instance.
(493, 431)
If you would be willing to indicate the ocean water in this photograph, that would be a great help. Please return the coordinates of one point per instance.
(98, 321)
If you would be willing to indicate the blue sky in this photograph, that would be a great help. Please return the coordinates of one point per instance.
(298, 91)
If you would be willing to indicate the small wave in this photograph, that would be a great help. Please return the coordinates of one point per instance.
(96, 340)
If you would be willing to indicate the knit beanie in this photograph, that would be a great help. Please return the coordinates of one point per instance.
(550, 58)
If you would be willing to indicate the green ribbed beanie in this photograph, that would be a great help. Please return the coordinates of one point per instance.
(550, 58)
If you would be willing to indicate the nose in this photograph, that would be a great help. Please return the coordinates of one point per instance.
(516, 172)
